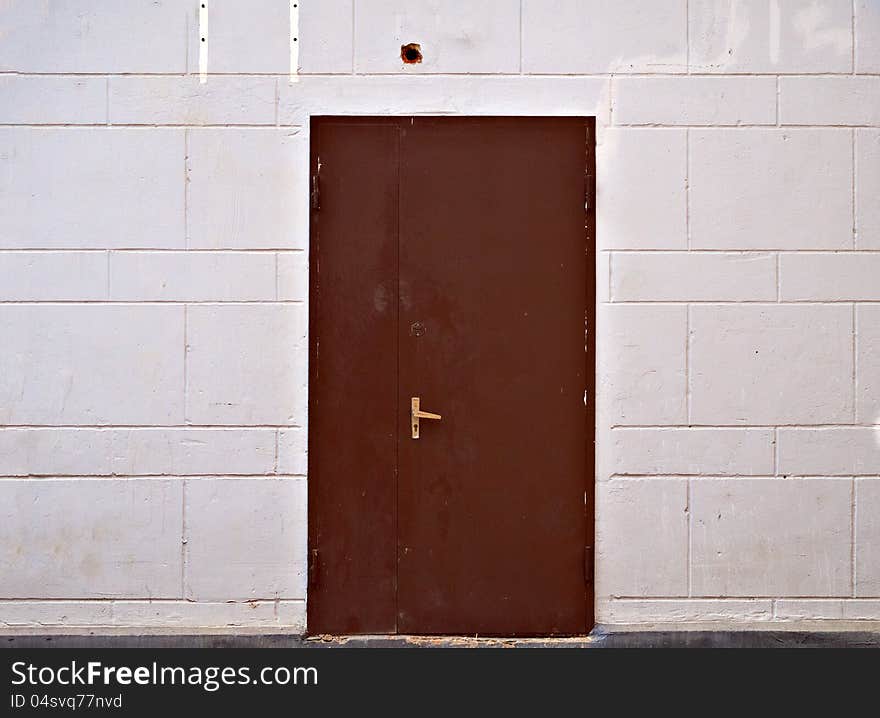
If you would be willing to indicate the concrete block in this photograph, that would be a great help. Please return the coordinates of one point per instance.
(692, 451)
(742, 369)
(232, 376)
(102, 36)
(868, 189)
(867, 537)
(292, 615)
(187, 614)
(45, 100)
(192, 451)
(855, 610)
(829, 451)
(293, 276)
(91, 364)
(642, 364)
(694, 100)
(867, 26)
(250, 37)
(829, 100)
(693, 276)
(810, 609)
(684, 610)
(248, 189)
(868, 363)
(90, 538)
(192, 276)
(40, 614)
(132, 452)
(641, 193)
(824, 277)
(186, 101)
(53, 276)
(784, 36)
(91, 188)
(255, 529)
(771, 189)
(770, 537)
(326, 34)
(641, 537)
(292, 452)
(603, 36)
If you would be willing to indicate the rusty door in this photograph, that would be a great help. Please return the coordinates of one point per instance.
(451, 262)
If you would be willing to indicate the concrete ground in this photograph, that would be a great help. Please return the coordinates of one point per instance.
(600, 637)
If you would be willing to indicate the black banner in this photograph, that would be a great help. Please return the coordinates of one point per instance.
(150, 681)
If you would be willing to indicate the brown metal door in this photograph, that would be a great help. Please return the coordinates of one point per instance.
(451, 261)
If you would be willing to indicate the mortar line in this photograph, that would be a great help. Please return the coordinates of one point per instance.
(277, 442)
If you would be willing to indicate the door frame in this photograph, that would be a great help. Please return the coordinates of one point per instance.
(590, 407)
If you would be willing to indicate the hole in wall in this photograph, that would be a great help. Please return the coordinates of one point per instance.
(411, 54)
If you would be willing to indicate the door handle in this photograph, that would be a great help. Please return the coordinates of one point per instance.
(417, 414)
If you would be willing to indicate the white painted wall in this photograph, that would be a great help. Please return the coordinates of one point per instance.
(153, 286)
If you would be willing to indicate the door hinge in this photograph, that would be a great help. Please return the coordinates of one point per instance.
(588, 565)
(316, 193)
(314, 574)
(590, 191)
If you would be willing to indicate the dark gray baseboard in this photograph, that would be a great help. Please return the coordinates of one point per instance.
(599, 638)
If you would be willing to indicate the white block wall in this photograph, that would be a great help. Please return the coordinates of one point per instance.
(154, 283)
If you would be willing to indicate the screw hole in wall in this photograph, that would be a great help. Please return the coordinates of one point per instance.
(411, 54)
